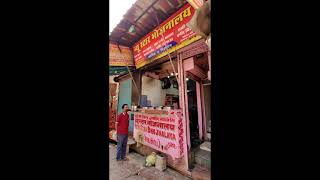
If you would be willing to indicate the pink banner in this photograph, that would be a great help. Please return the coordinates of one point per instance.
(160, 132)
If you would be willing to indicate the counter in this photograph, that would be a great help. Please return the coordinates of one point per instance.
(161, 130)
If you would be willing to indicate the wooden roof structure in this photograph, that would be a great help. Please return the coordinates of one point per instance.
(142, 15)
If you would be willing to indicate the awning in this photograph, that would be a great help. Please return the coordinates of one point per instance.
(140, 19)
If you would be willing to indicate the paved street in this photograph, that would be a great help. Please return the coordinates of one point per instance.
(134, 168)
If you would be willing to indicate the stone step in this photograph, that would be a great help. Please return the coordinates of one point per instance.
(203, 154)
(203, 158)
(201, 173)
(203, 162)
(206, 146)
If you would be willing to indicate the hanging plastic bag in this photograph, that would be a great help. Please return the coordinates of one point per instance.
(151, 159)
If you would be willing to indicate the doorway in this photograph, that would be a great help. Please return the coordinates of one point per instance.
(193, 114)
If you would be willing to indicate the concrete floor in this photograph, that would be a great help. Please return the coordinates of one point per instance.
(134, 168)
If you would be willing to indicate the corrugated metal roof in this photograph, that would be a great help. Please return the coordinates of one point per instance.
(143, 16)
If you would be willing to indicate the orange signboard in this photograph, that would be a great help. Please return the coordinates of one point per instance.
(120, 55)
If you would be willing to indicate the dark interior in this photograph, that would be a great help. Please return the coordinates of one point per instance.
(193, 113)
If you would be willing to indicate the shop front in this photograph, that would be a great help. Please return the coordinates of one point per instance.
(168, 92)
(172, 117)
(159, 125)
(194, 68)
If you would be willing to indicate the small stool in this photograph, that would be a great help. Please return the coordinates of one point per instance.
(161, 162)
(130, 142)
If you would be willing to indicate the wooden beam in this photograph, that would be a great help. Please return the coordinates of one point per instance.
(154, 23)
(154, 2)
(150, 24)
(144, 31)
(129, 38)
(126, 34)
(175, 3)
(137, 6)
(172, 5)
(162, 15)
(135, 22)
(120, 29)
(118, 41)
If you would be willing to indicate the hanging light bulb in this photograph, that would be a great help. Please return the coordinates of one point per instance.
(187, 79)
(168, 76)
(132, 29)
(171, 74)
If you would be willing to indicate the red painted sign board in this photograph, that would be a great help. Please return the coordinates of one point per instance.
(169, 36)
